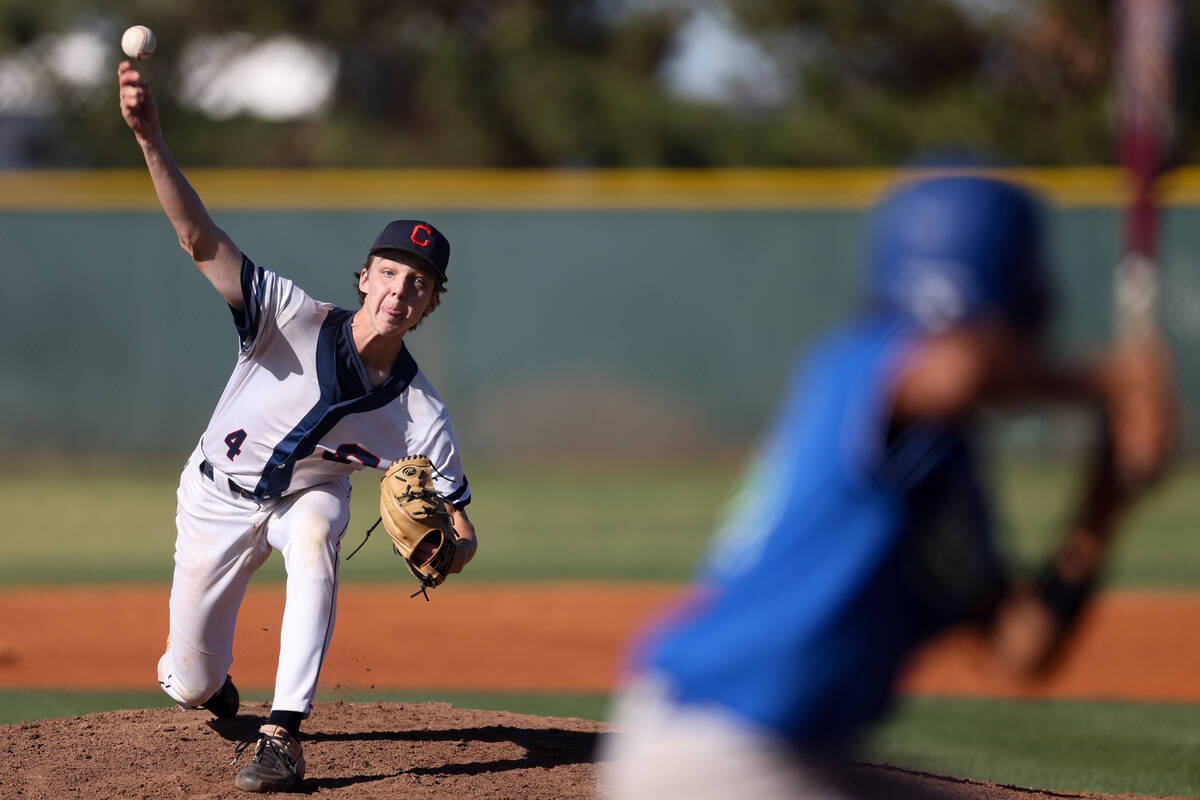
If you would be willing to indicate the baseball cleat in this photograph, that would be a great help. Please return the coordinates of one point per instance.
(224, 704)
(278, 763)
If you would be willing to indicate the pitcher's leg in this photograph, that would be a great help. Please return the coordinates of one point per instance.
(216, 552)
(307, 529)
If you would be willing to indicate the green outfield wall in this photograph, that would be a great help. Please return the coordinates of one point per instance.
(587, 313)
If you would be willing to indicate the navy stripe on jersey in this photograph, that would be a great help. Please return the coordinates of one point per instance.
(247, 318)
(352, 380)
(335, 403)
(455, 497)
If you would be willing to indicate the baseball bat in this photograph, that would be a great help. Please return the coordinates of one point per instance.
(1146, 78)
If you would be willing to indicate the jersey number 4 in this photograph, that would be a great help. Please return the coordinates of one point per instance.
(234, 442)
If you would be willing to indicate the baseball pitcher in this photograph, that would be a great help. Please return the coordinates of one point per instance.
(316, 392)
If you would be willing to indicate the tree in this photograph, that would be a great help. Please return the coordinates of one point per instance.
(518, 83)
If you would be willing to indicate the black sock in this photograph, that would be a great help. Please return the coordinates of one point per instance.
(288, 720)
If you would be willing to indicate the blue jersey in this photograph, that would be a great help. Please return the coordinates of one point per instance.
(848, 544)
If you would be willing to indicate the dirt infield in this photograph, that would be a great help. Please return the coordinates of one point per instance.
(539, 637)
(365, 750)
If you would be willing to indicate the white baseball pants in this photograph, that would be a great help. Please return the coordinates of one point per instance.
(222, 538)
(663, 751)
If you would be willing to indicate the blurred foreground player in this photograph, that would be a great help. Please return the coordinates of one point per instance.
(863, 528)
(316, 393)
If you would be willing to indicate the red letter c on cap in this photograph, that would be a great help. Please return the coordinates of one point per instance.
(421, 234)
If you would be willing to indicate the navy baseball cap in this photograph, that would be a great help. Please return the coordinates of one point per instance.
(416, 237)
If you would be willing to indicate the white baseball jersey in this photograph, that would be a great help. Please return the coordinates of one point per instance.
(299, 409)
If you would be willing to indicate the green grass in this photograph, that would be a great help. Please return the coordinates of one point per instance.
(89, 524)
(535, 522)
(1157, 546)
(1140, 748)
(26, 705)
(621, 520)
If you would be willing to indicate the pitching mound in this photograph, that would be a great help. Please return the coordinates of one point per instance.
(375, 750)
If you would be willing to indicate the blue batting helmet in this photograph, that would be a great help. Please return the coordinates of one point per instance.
(949, 249)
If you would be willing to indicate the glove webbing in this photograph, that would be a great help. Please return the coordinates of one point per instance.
(426, 583)
(425, 493)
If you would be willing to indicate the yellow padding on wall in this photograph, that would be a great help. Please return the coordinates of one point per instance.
(547, 190)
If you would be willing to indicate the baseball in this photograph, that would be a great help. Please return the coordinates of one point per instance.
(138, 42)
